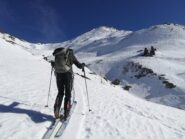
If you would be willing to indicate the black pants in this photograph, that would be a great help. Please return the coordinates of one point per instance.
(64, 84)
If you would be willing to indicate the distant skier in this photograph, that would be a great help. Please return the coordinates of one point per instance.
(152, 51)
(145, 52)
(64, 59)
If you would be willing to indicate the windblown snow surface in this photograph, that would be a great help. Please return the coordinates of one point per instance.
(116, 114)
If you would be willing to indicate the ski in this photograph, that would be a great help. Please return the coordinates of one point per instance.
(50, 134)
(65, 121)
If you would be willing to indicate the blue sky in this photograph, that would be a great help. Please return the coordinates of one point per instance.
(60, 20)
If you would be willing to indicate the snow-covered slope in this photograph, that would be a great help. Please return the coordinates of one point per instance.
(115, 113)
(32, 47)
(95, 38)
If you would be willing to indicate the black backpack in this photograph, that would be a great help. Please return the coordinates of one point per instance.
(62, 60)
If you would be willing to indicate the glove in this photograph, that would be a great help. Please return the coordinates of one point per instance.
(52, 64)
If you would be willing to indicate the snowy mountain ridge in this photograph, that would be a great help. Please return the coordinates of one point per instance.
(103, 32)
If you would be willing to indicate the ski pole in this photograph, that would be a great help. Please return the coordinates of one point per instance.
(49, 86)
(86, 89)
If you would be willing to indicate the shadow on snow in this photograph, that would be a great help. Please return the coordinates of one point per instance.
(35, 116)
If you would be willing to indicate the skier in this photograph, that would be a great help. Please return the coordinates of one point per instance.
(152, 51)
(145, 52)
(64, 59)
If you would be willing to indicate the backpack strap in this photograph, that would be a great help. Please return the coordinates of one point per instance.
(67, 55)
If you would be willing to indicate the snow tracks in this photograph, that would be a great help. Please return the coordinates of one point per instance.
(120, 115)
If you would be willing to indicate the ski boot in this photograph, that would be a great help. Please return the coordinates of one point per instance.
(67, 110)
(57, 113)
